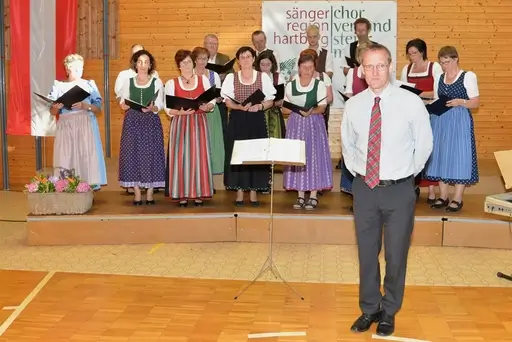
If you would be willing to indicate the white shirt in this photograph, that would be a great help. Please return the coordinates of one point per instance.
(276, 56)
(437, 71)
(159, 86)
(267, 85)
(406, 135)
(169, 89)
(300, 100)
(326, 79)
(470, 83)
(121, 80)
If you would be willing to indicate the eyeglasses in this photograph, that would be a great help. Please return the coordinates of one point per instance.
(379, 67)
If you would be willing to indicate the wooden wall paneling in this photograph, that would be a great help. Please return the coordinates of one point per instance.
(480, 29)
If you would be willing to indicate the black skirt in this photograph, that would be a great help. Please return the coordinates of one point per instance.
(243, 126)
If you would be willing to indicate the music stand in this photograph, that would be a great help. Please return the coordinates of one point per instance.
(269, 151)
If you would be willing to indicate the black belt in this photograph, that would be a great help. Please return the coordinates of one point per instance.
(388, 182)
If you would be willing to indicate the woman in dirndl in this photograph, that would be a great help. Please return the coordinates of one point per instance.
(307, 91)
(246, 122)
(189, 169)
(453, 160)
(77, 143)
(266, 63)
(142, 154)
(200, 57)
(421, 72)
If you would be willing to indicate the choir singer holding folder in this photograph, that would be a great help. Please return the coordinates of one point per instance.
(189, 168)
(246, 121)
(142, 154)
(305, 99)
(453, 159)
(77, 140)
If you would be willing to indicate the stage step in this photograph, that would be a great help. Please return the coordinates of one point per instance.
(490, 179)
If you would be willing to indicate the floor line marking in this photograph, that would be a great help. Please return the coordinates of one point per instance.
(396, 338)
(277, 334)
(155, 247)
(25, 303)
(7, 308)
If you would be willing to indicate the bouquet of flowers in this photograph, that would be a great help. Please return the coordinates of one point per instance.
(67, 181)
(58, 192)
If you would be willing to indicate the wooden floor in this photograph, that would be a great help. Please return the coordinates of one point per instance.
(84, 307)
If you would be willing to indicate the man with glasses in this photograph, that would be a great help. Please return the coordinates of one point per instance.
(387, 139)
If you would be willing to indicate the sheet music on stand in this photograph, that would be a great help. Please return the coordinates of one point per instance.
(501, 204)
(269, 151)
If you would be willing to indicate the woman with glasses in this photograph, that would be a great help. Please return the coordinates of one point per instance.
(453, 159)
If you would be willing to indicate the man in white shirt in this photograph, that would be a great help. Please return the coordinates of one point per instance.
(387, 139)
(211, 43)
(259, 41)
(128, 73)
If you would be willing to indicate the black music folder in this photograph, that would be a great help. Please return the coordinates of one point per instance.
(411, 89)
(279, 92)
(438, 107)
(69, 98)
(352, 63)
(256, 98)
(176, 102)
(139, 106)
(296, 108)
(345, 97)
(221, 69)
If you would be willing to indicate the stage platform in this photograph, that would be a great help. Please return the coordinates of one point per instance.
(114, 220)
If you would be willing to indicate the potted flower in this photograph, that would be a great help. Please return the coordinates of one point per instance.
(58, 192)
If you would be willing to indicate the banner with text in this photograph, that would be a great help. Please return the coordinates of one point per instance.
(285, 24)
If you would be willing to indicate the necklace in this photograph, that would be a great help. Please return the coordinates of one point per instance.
(187, 80)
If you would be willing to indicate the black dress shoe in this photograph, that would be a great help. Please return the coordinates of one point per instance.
(183, 204)
(255, 203)
(386, 325)
(152, 202)
(137, 202)
(364, 322)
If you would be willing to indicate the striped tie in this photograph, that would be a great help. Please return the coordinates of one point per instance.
(373, 156)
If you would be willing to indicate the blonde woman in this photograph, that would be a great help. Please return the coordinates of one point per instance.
(77, 140)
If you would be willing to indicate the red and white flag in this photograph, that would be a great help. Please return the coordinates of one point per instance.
(43, 33)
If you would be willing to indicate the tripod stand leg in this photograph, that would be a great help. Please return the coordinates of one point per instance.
(504, 276)
(275, 272)
(266, 266)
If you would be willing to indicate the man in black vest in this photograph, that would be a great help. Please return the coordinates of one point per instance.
(259, 41)
(362, 28)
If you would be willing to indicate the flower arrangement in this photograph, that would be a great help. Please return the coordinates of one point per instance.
(58, 192)
(66, 182)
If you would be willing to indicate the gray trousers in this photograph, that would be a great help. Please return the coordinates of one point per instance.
(389, 208)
